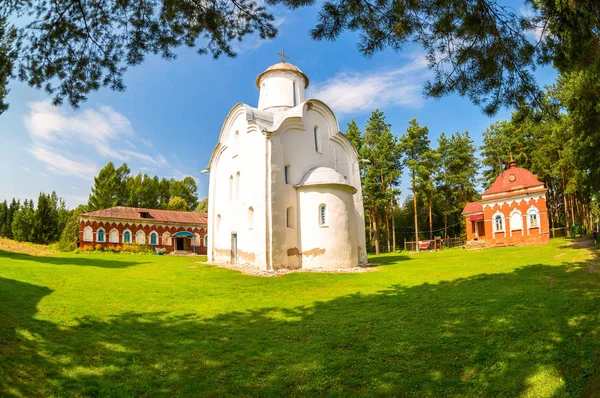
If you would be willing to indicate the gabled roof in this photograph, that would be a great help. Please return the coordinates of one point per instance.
(472, 207)
(163, 216)
(512, 180)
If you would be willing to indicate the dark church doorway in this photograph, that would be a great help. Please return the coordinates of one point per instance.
(233, 248)
(180, 244)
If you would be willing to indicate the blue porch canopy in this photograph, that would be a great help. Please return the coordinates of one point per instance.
(183, 234)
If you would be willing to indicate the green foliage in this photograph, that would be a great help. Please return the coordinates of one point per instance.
(202, 206)
(177, 203)
(353, 134)
(22, 225)
(73, 47)
(8, 55)
(45, 223)
(70, 233)
(116, 187)
(510, 322)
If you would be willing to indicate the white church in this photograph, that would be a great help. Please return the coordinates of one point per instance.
(284, 182)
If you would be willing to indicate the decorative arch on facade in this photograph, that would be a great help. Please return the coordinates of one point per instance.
(153, 238)
(196, 241)
(498, 222)
(113, 236)
(88, 234)
(516, 220)
(166, 239)
(140, 237)
(100, 235)
(127, 237)
(533, 217)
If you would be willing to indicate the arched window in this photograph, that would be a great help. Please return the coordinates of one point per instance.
(322, 215)
(286, 171)
(289, 217)
(166, 239)
(153, 238)
(218, 222)
(88, 234)
(196, 240)
(230, 187)
(206, 240)
(533, 217)
(113, 236)
(127, 237)
(100, 235)
(140, 238)
(516, 220)
(250, 217)
(498, 223)
(294, 93)
(315, 136)
(236, 142)
(237, 186)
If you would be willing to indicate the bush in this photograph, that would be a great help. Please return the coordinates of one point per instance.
(98, 247)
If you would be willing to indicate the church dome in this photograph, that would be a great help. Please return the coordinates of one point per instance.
(514, 179)
(323, 176)
(283, 66)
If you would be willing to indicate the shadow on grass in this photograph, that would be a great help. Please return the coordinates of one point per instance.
(81, 261)
(534, 331)
(387, 259)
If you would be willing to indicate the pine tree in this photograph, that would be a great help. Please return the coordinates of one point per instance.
(353, 134)
(70, 234)
(10, 213)
(45, 224)
(415, 143)
(3, 217)
(22, 224)
(110, 188)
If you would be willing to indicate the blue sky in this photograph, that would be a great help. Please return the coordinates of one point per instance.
(169, 118)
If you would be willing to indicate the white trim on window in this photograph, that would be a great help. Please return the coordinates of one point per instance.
(113, 236)
(516, 220)
(166, 239)
(125, 242)
(206, 240)
(98, 235)
(498, 216)
(155, 234)
(533, 211)
(88, 234)
(323, 215)
(140, 237)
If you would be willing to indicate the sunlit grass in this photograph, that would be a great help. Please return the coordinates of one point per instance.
(502, 322)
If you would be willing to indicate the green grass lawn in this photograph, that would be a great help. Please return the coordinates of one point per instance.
(501, 322)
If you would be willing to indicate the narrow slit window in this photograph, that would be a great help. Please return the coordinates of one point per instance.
(316, 139)
(322, 215)
(286, 170)
(289, 213)
(294, 93)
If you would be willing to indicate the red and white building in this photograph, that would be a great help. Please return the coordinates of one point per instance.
(512, 212)
(175, 231)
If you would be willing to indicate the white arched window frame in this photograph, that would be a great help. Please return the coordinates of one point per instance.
(237, 185)
(140, 238)
(113, 236)
(498, 222)
(218, 222)
(153, 238)
(516, 220)
(236, 142)
(166, 239)
(231, 187)
(127, 237)
(196, 240)
(88, 234)
(322, 215)
(206, 240)
(250, 217)
(533, 217)
(100, 235)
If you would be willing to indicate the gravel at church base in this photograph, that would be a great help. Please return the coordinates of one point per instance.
(250, 270)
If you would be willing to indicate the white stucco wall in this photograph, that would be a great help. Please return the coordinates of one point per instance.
(260, 155)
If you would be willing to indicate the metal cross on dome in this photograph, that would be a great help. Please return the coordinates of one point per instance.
(283, 56)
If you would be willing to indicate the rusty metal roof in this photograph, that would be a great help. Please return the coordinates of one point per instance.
(164, 216)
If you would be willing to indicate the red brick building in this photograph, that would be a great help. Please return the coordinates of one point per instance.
(181, 231)
(512, 212)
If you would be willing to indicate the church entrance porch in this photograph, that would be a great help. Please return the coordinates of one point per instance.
(180, 244)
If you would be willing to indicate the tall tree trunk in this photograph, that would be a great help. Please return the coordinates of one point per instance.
(387, 227)
(572, 210)
(375, 231)
(566, 207)
(393, 218)
(430, 220)
(416, 219)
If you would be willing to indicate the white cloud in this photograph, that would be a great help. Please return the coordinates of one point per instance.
(537, 32)
(351, 92)
(70, 143)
